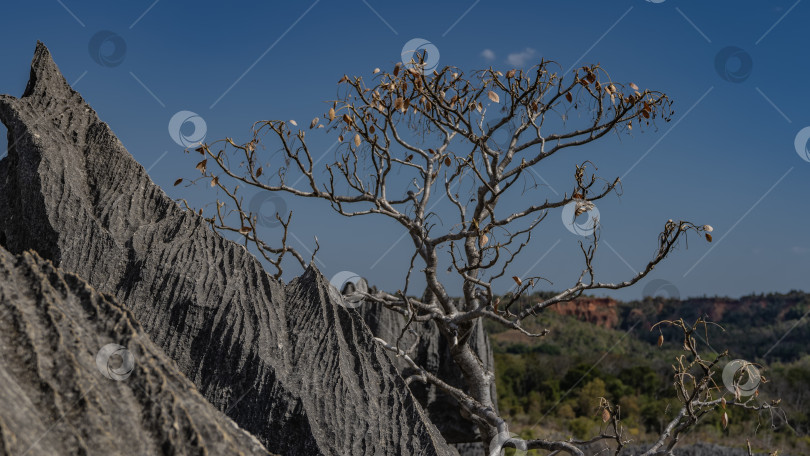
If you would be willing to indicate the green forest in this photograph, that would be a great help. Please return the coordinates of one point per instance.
(554, 383)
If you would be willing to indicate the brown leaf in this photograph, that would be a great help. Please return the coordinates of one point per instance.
(447, 161)
(214, 181)
(343, 79)
(494, 97)
(409, 158)
(201, 150)
(244, 230)
(177, 182)
(347, 119)
(295, 124)
(313, 123)
(724, 420)
(517, 280)
(708, 237)
(510, 74)
(569, 97)
(376, 70)
(605, 415)
(357, 140)
(483, 239)
(723, 403)
(633, 86)
(340, 138)
(396, 69)
(201, 166)
(661, 340)
(331, 114)
(259, 172)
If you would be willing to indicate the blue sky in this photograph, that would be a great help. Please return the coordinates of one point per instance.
(728, 158)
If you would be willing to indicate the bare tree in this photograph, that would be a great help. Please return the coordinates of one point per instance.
(411, 138)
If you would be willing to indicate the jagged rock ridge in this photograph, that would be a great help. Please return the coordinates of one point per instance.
(288, 364)
(56, 400)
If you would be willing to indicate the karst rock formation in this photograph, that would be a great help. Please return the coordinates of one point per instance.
(287, 363)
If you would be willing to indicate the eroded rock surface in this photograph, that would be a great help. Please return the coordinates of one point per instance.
(432, 352)
(57, 401)
(288, 364)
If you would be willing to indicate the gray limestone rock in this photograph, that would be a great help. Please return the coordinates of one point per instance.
(288, 364)
(64, 393)
(432, 353)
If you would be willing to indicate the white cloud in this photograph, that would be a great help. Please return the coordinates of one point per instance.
(488, 54)
(519, 59)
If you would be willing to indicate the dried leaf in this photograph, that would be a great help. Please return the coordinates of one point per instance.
(396, 69)
(494, 97)
(343, 79)
(708, 228)
(313, 123)
(723, 403)
(214, 181)
(259, 171)
(331, 114)
(357, 140)
(510, 74)
(340, 138)
(177, 182)
(447, 161)
(348, 120)
(376, 70)
(295, 124)
(201, 166)
(724, 420)
(605, 415)
(244, 230)
(708, 237)
(661, 340)
(633, 86)
(517, 280)
(484, 239)
(569, 97)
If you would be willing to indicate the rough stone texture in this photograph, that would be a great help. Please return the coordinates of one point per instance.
(55, 398)
(288, 364)
(433, 354)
